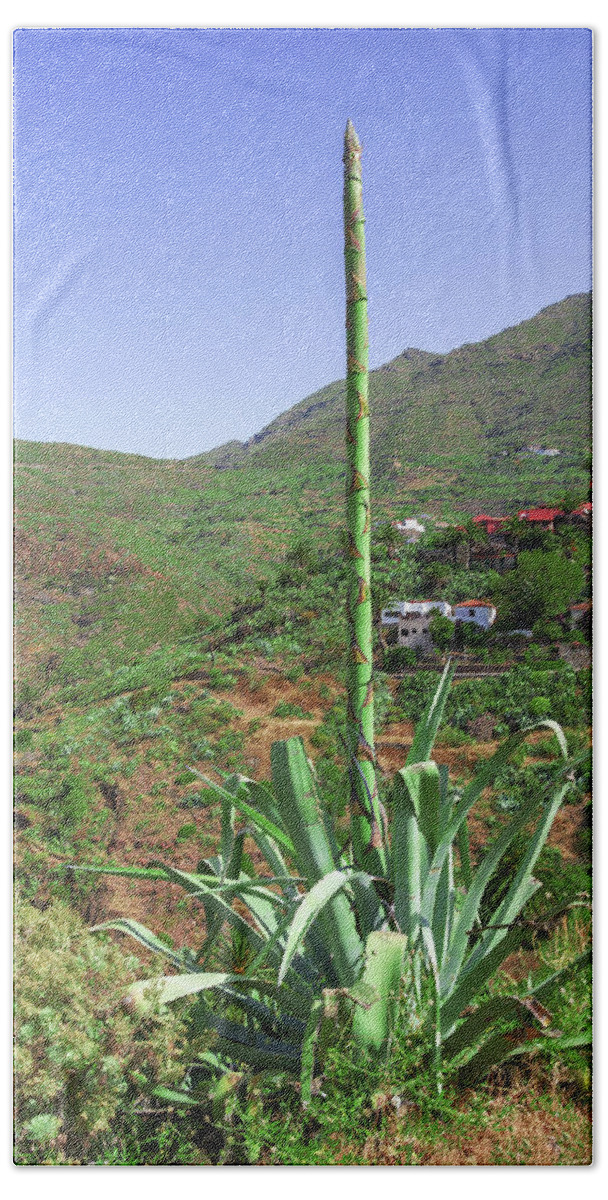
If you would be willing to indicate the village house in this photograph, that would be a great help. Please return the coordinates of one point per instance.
(494, 526)
(406, 623)
(479, 612)
(580, 517)
(544, 517)
(410, 528)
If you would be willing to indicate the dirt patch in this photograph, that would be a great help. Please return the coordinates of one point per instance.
(571, 821)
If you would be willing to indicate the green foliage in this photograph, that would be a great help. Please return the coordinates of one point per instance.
(324, 938)
(286, 709)
(441, 630)
(397, 657)
(542, 586)
(83, 1056)
(510, 697)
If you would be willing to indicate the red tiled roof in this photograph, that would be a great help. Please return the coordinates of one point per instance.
(474, 604)
(584, 607)
(539, 514)
(583, 510)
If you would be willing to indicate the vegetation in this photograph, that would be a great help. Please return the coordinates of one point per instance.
(84, 1060)
(543, 586)
(408, 955)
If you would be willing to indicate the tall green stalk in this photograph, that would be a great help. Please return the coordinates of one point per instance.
(365, 809)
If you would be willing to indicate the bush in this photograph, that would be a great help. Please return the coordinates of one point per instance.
(82, 1058)
(286, 709)
(221, 680)
(397, 657)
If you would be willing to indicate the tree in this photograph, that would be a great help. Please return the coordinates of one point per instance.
(542, 585)
(441, 630)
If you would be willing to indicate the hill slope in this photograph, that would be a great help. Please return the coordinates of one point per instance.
(474, 408)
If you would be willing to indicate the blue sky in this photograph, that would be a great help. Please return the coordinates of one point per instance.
(178, 248)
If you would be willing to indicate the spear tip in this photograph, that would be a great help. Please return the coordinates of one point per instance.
(351, 141)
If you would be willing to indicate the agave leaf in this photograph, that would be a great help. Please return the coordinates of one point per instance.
(465, 854)
(220, 912)
(133, 872)
(144, 936)
(295, 786)
(174, 987)
(443, 914)
(262, 907)
(257, 818)
(309, 910)
(426, 729)
(175, 1097)
(470, 984)
(191, 883)
(309, 1042)
(518, 892)
(276, 862)
(241, 1043)
(370, 911)
(562, 1043)
(546, 986)
(491, 1054)
(423, 782)
(483, 778)
(272, 1022)
(228, 839)
(406, 859)
(498, 1008)
(513, 901)
(509, 1045)
(468, 913)
(383, 967)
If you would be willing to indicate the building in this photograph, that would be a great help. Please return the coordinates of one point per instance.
(407, 623)
(544, 517)
(580, 516)
(479, 612)
(492, 525)
(410, 528)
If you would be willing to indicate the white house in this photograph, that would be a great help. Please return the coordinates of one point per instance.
(406, 623)
(410, 528)
(479, 612)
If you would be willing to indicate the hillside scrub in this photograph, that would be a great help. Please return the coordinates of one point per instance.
(83, 1058)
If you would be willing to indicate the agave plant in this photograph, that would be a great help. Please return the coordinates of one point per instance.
(324, 935)
(342, 932)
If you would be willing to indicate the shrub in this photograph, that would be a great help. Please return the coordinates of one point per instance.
(398, 657)
(285, 709)
(82, 1057)
(221, 680)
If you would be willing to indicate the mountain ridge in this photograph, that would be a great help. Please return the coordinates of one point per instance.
(529, 381)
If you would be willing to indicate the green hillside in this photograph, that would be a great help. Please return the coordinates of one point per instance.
(451, 427)
(117, 553)
(178, 614)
